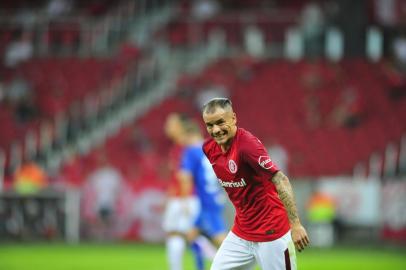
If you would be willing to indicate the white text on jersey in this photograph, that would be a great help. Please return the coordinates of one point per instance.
(233, 184)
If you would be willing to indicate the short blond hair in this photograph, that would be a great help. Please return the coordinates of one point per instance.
(220, 102)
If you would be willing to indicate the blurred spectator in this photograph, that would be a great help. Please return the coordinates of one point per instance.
(399, 52)
(18, 89)
(205, 9)
(396, 81)
(312, 24)
(385, 12)
(347, 113)
(75, 122)
(26, 109)
(56, 8)
(279, 155)
(19, 51)
(106, 184)
(311, 81)
(312, 77)
(312, 113)
(30, 178)
(21, 97)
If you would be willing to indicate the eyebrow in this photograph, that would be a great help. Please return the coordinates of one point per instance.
(215, 122)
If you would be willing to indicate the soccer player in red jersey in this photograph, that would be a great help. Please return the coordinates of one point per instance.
(266, 227)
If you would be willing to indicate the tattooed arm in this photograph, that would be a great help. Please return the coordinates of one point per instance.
(285, 192)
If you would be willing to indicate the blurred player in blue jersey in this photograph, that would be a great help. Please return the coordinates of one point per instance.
(196, 175)
(182, 207)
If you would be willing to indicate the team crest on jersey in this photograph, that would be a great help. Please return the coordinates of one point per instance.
(232, 166)
(265, 162)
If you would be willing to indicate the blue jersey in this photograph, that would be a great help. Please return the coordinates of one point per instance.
(206, 185)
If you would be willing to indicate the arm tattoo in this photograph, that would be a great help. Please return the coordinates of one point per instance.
(285, 193)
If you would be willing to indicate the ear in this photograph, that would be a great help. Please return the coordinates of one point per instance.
(234, 118)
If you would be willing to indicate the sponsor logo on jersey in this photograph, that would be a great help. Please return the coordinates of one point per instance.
(265, 162)
(232, 166)
(238, 184)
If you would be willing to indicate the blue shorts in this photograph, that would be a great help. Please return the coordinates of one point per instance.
(211, 222)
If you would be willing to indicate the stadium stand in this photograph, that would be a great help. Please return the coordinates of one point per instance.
(295, 91)
(282, 100)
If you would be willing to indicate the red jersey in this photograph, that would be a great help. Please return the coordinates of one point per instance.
(245, 171)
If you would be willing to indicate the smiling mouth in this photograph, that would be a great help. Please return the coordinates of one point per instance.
(219, 137)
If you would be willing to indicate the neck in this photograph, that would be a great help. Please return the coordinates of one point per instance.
(224, 148)
(227, 145)
(194, 139)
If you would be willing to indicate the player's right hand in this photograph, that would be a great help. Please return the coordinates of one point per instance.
(299, 237)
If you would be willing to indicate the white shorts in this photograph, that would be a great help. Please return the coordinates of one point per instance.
(238, 254)
(180, 214)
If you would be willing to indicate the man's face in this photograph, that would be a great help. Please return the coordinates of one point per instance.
(221, 126)
(173, 128)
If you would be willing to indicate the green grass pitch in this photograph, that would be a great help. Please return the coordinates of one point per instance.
(152, 257)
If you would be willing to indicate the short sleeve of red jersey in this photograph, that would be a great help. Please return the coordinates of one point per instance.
(254, 153)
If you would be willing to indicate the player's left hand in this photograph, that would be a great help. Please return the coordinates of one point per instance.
(299, 237)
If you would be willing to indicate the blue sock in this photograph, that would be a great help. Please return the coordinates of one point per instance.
(198, 255)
